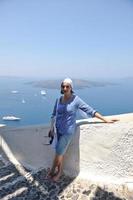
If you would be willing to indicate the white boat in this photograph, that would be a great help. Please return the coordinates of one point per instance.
(43, 92)
(14, 91)
(11, 118)
(23, 101)
(2, 125)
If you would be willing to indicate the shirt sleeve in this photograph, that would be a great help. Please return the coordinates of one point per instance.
(54, 110)
(86, 108)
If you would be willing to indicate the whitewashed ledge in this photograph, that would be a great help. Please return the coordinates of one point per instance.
(99, 151)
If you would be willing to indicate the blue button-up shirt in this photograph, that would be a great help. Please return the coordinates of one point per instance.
(65, 113)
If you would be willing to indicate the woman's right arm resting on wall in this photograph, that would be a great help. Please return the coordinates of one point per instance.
(106, 120)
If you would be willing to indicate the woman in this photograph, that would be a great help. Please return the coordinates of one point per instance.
(65, 113)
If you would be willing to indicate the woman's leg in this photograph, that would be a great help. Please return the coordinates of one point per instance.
(51, 171)
(57, 166)
(61, 149)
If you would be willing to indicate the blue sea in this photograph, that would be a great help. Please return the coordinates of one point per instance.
(37, 109)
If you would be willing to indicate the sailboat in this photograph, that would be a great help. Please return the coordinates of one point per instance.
(23, 101)
(14, 91)
(43, 92)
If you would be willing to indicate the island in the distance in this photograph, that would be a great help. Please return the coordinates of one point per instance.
(78, 83)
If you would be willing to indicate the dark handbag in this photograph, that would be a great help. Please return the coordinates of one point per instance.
(51, 136)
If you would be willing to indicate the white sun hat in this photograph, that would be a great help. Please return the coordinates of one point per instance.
(69, 81)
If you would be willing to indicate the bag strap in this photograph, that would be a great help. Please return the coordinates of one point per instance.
(56, 109)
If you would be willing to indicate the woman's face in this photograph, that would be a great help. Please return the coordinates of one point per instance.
(66, 88)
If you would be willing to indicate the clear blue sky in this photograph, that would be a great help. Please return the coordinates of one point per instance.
(76, 38)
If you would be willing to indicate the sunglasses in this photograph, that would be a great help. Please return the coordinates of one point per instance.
(67, 86)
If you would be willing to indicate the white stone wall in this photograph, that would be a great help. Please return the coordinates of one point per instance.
(98, 150)
(106, 151)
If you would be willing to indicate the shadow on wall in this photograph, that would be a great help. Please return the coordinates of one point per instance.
(72, 157)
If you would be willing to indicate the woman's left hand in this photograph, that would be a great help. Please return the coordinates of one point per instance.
(105, 119)
(111, 120)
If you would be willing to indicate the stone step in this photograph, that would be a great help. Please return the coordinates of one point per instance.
(8, 174)
(3, 161)
(33, 185)
(42, 188)
(32, 192)
(23, 187)
(12, 178)
(7, 169)
(14, 189)
(2, 164)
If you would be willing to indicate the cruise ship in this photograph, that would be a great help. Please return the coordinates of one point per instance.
(11, 118)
